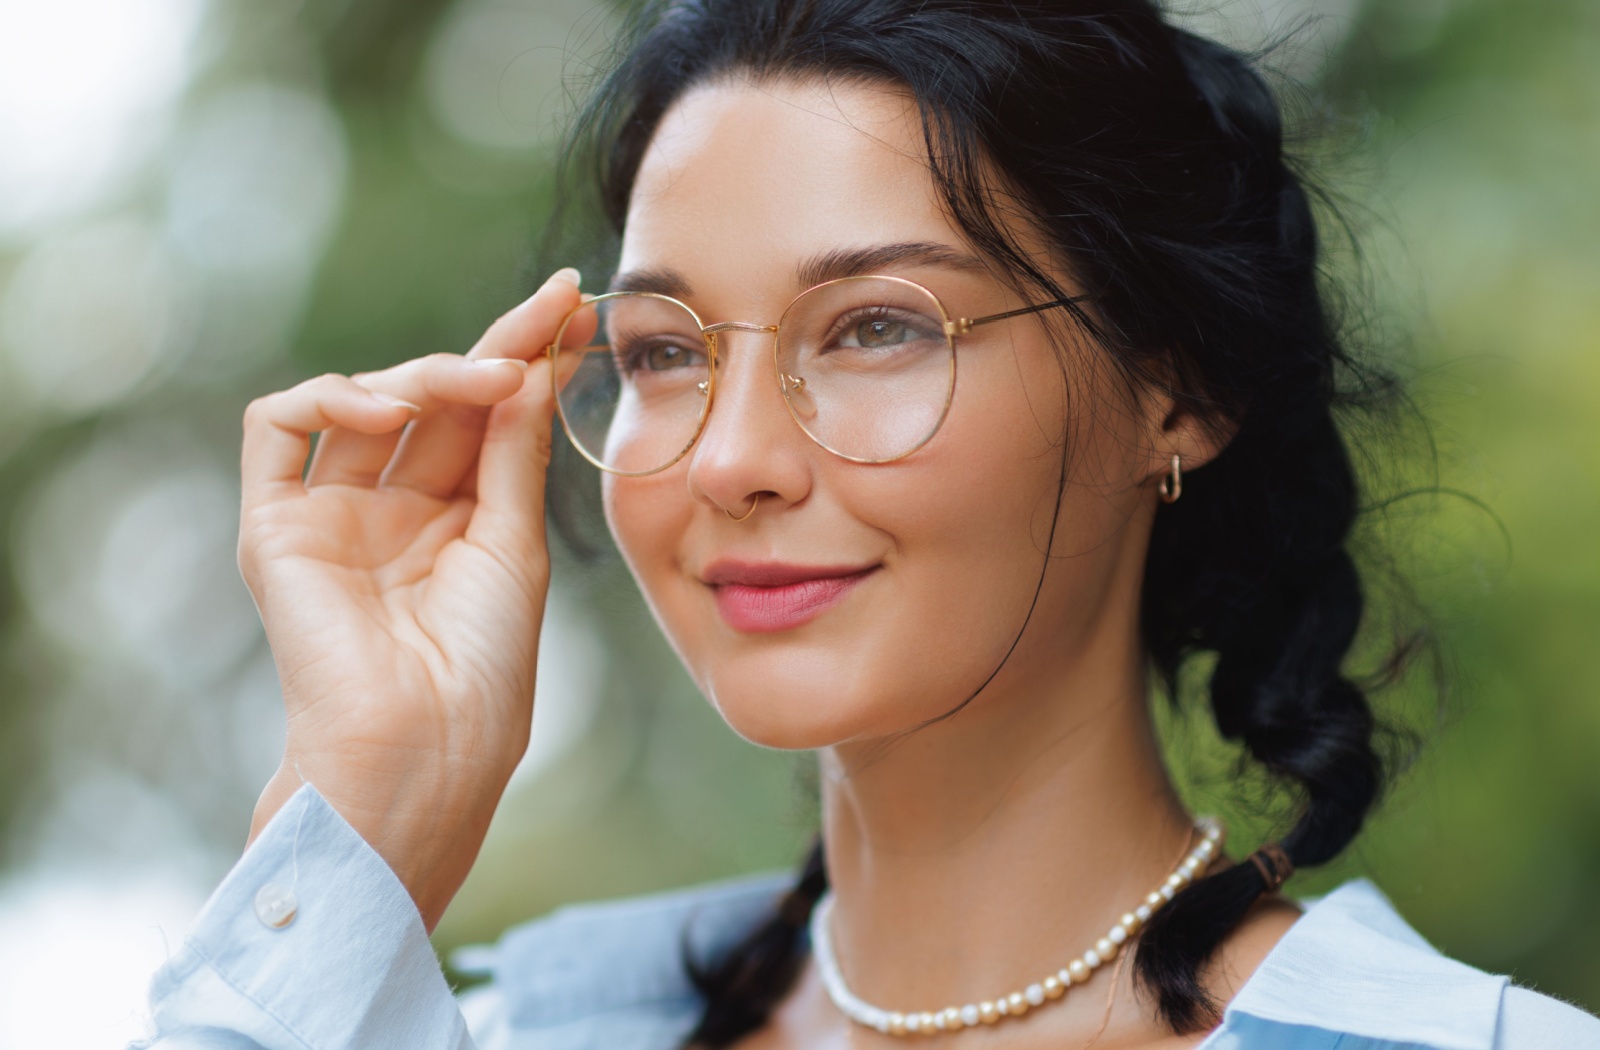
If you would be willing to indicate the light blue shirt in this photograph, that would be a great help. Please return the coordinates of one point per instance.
(312, 943)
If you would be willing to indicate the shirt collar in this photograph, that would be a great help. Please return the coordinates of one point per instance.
(1350, 964)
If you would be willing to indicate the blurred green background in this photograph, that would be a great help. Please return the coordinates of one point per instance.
(203, 200)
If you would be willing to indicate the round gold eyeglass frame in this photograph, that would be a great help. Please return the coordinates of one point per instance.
(951, 326)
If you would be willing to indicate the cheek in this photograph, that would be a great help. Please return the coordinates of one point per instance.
(648, 518)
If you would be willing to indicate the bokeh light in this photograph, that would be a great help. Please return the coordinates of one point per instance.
(204, 200)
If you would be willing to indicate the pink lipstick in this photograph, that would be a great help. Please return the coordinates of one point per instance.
(764, 597)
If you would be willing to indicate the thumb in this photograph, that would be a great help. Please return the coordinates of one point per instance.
(514, 459)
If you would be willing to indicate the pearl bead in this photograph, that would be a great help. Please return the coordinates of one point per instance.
(1118, 933)
(1091, 959)
(948, 1019)
(1053, 988)
(1079, 970)
(1176, 881)
(1001, 1007)
(1143, 913)
(1156, 900)
(930, 1021)
(1166, 893)
(1190, 866)
(1034, 994)
(897, 1024)
(1105, 949)
(970, 1015)
(1064, 975)
(1129, 922)
(987, 1012)
(1016, 1004)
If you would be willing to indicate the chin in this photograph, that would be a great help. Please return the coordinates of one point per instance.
(808, 698)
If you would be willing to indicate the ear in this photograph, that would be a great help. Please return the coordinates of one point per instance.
(1175, 428)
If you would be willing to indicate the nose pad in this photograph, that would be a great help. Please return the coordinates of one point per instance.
(715, 347)
(795, 393)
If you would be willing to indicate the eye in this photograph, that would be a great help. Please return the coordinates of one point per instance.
(881, 328)
(662, 357)
(879, 333)
(655, 354)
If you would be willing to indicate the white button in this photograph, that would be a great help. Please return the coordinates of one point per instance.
(276, 905)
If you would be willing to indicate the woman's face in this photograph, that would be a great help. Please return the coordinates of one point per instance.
(930, 563)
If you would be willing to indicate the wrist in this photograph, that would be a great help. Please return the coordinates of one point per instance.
(428, 829)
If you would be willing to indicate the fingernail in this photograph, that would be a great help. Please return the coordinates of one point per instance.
(397, 402)
(521, 365)
(568, 274)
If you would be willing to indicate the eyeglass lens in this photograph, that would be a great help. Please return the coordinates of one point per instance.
(863, 364)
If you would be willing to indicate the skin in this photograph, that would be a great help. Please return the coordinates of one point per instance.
(403, 583)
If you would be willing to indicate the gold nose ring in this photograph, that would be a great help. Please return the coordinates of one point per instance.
(753, 501)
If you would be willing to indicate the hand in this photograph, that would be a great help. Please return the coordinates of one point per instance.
(402, 584)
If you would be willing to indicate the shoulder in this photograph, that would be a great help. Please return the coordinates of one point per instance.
(610, 974)
(1352, 966)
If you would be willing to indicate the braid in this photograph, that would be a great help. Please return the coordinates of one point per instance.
(1255, 568)
(743, 988)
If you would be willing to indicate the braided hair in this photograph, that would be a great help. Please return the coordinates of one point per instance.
(1154, 159)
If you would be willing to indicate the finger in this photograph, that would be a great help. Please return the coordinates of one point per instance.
(442, 384)
(440, 451)
(437, 451)
(513, 463)
(278, 429)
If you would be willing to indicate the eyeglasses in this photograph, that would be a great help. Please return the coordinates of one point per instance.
(866, 365)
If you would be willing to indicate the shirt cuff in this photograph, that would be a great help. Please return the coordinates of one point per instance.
(310, 943)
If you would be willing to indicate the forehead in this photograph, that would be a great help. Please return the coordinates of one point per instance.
(745, 178)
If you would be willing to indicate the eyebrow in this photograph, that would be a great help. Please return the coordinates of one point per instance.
(821, 268)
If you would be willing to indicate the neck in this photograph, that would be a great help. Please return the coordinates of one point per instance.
(983, 852)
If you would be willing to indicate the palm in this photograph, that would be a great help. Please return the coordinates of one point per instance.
(371, 586)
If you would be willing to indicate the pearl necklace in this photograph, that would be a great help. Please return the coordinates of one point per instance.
(1078, 971)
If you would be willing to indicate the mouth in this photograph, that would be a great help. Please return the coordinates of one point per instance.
(766, 597)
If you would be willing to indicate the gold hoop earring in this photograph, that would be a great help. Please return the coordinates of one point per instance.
(1171, 486)
(753, 501)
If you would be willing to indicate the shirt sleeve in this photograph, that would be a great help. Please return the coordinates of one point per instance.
(310, 943)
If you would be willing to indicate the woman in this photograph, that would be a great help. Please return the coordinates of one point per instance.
(965, 362)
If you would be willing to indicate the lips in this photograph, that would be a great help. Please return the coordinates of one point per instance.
(766, 597)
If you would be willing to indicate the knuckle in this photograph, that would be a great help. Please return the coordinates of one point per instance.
(258, 411)
(543, 446)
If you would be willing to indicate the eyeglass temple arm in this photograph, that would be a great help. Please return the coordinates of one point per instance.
(963, 325)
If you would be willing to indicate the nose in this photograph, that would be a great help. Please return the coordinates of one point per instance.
(750, 448)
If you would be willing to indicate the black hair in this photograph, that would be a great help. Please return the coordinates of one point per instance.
(1154, 160)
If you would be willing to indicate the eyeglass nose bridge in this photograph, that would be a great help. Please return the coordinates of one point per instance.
(739, 326)
(711, 331)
